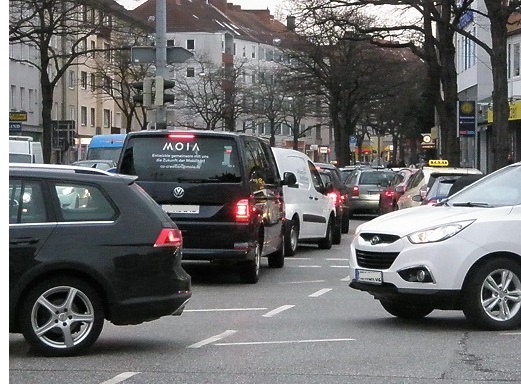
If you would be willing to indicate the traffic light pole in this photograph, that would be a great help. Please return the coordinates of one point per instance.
(160, 44)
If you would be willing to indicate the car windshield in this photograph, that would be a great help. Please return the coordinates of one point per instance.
(501, 188)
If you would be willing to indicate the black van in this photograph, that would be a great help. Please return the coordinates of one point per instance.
(222, 189)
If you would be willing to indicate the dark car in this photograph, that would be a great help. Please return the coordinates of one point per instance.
(390, 195)
(339, 197)
(116, 256)
(99, 164)
(442, 187)
(222, 189)
(364, 186)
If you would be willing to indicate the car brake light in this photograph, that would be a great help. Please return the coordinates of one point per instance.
(181, 136)
(333, 196)
(169, 237)
(355, 191)
(243, 210)
(388, 193)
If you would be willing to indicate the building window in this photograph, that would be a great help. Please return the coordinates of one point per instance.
(170, 43)
(253, 51)
(92, 82)
(106, 118)
(516, 59)
(93, 48)
(22, 98)
(72, 76)
(72, 112)
(190, 44)
(234, 49)
(32, 100)
(12, 97)
(190, 72)
(83, 80)
(243, 51)
(83, 116)
(92, 117)
(107, 85)
(108, 52)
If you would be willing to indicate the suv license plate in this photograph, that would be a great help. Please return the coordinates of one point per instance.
(171, 208)
(372, 277)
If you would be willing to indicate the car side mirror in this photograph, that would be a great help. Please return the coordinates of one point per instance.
(400, 189)
(417, 198)
(290, 179)
(112, 170)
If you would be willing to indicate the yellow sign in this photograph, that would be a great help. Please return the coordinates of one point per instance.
(438, 163)
(17, 116)
(515, 112)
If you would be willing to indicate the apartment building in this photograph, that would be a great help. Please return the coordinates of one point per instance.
(228, 36)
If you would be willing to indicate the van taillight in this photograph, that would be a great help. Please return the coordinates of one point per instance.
(333, 196)
(169, 237)
(243, 210)
(181, 136)
(355, 191)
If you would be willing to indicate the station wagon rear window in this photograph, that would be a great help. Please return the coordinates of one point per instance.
(188, 158)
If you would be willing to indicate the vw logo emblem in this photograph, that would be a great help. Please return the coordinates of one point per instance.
(375, 240)
(178, 192)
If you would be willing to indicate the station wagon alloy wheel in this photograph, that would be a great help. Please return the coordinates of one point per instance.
(62, 317)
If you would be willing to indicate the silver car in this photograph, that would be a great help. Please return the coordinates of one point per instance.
(364, 186)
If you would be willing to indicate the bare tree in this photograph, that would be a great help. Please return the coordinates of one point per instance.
(42, 24)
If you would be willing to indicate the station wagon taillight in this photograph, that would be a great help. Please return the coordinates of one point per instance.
(388, 193)
(355, 191)
(169, 237)
(243, 210)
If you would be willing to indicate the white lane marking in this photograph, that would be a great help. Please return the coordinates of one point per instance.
(284, 342)
(119, 378)
(277, 310)
(309, 266)
(213, 339)
(301, 282)
(510, 333)
(320, 292)
(224, 309)
(339, 266)
(297, 258)
(337, 259)
(348, 278)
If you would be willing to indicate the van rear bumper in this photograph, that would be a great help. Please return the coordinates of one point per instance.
(247, 252)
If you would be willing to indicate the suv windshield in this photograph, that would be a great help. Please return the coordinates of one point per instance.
(198, 159)
(501, 188)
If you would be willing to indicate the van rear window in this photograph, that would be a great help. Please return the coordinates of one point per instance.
(189, 159)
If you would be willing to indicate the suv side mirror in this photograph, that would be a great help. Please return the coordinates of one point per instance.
(290, 179)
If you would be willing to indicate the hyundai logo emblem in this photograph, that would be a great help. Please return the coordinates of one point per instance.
(178, 192)
(375, 240)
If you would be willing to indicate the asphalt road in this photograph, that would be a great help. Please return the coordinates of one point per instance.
(299, 324)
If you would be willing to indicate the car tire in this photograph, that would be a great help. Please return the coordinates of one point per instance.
(291, 238)
(337, 232)
(250, 271)
(345, 223)
(405, 311)
(61, 317)
(327, 242)
(276, 259)
(492, 295)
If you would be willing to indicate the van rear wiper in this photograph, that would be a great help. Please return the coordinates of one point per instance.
(472, 204)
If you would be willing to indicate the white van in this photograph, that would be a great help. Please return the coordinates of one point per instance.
(310, 213)
(23, 149)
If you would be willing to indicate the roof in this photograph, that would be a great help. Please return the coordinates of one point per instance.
(214, 16)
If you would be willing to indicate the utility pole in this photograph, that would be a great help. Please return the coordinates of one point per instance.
(161, 56)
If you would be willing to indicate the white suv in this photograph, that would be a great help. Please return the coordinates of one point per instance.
(461, 254)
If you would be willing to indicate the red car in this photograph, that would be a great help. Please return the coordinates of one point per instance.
(390, 195)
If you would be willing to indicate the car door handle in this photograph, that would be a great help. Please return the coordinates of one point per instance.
(311, 198)
(24, 240)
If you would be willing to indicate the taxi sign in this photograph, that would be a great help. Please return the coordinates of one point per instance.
(438, 163)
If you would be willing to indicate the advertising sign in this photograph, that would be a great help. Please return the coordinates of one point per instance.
(466, 118)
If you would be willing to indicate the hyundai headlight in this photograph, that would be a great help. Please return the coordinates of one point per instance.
(439, 233)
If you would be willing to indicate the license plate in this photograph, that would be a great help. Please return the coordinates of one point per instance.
(365, 276)
(171, 208)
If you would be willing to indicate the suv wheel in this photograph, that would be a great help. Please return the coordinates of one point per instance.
(276, 259)
(345, 223)
(250, 270)
(327, 242)
(404, 311)
(493, 295)
(61, 317)
(337, 232)
(291, 238)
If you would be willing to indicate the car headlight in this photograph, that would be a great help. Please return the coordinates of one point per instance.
(439, 233)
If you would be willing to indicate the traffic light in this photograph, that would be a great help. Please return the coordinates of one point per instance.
(160, 97)
(144, 88)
